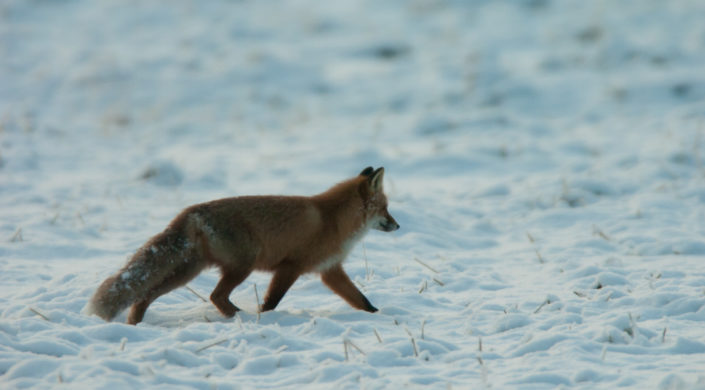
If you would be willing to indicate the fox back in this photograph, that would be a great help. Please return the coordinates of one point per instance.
(286, 235)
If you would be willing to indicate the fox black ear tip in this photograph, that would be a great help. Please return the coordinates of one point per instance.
(367, 171)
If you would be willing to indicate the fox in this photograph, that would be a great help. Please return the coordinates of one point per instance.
(287, 236)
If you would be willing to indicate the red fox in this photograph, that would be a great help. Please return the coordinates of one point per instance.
(286, 235)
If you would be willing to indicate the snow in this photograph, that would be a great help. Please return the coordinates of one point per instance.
(544, 159)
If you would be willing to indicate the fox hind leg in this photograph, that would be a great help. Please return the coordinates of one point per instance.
(221, 294)
(137, 311)
(187, 270)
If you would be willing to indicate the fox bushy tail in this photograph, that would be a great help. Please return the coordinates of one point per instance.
(112, 297)
(123, 288)
(147, 269)
(167, 261)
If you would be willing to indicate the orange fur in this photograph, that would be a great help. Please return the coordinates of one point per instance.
(286, 235)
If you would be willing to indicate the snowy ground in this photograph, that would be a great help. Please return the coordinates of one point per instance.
(545, 159)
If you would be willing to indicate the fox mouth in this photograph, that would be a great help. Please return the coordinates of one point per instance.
(388, 226)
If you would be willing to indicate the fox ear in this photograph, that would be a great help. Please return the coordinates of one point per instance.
(376, 179)
(367, 171)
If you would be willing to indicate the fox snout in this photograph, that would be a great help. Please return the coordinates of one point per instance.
(387, 224)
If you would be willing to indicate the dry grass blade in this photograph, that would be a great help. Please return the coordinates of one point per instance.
(483, 370)
(413, 342)
(39, 314)
(425, 265)
(259, 308)
(239, 320)
(439, 282)
(17, 237)
(196, 294)
(538, 254)
(379, 338)
(367, 269)
(538, 309)
(597, 231)
(356, 347)
(211, 345)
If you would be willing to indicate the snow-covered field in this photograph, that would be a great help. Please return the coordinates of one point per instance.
(545, 160)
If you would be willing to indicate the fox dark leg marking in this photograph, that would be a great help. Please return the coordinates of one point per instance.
(284, 277)
(337, 280)
(221, 294)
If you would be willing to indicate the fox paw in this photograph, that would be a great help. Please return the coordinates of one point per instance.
(228, 310)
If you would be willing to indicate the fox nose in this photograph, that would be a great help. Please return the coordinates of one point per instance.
(390, 226)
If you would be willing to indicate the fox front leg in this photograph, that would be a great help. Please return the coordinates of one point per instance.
(284, 277)
(337, 280)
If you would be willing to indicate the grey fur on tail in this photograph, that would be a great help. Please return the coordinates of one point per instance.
(112, 297)
(122, 289)
(165, 262)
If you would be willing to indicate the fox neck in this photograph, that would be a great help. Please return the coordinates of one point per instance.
(343, 208)
(343, 204)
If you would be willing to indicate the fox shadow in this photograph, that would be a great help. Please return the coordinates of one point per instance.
(178, 317)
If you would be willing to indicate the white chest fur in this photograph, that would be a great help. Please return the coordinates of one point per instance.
(345, 249)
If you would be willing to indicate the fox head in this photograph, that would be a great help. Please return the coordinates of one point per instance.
(375, 201)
